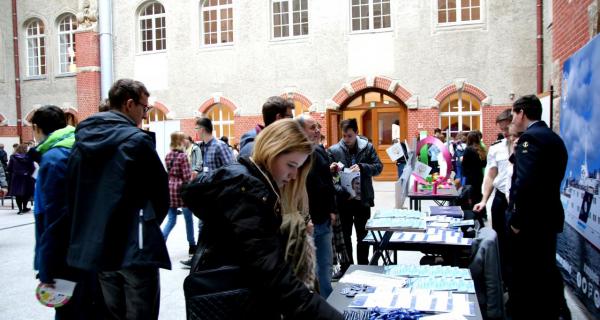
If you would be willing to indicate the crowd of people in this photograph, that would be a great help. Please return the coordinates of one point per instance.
(277, 210)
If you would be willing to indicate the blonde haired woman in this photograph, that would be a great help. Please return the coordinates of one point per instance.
(241, 206)
(180, 172)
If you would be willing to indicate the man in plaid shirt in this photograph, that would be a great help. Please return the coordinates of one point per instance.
(215, 154)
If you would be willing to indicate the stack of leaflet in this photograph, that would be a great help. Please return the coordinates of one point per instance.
(397, 220)
(449, 211)
(433, 235)
(438, 278)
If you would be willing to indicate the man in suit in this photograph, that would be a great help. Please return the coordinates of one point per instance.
(535, 215)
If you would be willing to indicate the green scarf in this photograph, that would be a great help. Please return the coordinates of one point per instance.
(64, 137)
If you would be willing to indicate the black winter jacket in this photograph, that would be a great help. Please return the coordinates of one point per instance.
(241, 215)
(117, 196)
(369, 163)
(320, 189)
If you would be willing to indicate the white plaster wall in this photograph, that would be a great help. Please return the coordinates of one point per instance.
(498, 56)
(7, 85)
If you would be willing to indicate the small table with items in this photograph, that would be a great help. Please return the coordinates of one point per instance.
(407, 230)
(407, 288)
(441, 197)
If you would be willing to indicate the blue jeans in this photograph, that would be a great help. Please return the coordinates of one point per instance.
(323, 235)
(189, 224)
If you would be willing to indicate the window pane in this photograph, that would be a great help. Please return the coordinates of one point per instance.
(464, 3)
(355, 12)
(387, 21)
(377, 22)
(441, 4)
(297, 30)
(304, 4)
(386, 8)
(277, 31)
(442, 16)
(466, 123)
(276, 7)
(475, 121)
(285, 31)
(451, 15)
(355, 24)
(475, 14)
(445, 123)
(465, 15)
(372, 96)
(475, 3)
(385, 121)
(296, 18)
(296, 5)
(304, 18)
(365, 23)
(305, 28)
(451, 4)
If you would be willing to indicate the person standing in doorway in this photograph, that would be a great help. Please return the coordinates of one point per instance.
(357, 155)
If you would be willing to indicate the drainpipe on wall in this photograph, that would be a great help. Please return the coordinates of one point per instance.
(540, 46)
(17, 71)
(106, 46)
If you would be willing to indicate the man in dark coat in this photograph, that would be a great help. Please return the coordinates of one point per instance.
(118, 197)
(321, 203)
(357, 155)
(535, 215)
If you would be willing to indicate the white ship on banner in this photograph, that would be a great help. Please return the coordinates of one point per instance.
(581, 200)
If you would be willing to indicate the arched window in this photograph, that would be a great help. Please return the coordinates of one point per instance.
(36, 48)
(153, 29)
(66, 43)
(299, 108)
(222, 121)
(217, 21)
(460, 112)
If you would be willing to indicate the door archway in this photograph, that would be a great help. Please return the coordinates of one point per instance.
(376, 111)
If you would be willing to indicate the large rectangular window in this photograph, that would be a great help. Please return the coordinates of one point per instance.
(36, 48)
(217, 21)
(66, 44)
(370, 15)
(153, 30)
(290, 18)
(458, 11)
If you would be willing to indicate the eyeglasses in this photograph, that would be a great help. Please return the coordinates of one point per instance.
(146, 107)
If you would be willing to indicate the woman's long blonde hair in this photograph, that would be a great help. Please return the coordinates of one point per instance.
(177, 138)
(281, 137)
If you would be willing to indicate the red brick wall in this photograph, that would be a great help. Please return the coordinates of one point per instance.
(187, 126)
(569, 28)
(88, 82)
(11, 131)
(242, 124)
(490, 130)
(422, 119)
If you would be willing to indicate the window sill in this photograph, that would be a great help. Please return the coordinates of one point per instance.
(216, 47)
(371, 31)
(33, 78)
(478, 25)
(288, 40)
(146, 53)
(66, 75)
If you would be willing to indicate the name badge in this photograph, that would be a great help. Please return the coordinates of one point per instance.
(205, 169)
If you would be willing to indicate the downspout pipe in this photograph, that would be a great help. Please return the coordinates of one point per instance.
(17, 70)
(540, 47)
(106, 46)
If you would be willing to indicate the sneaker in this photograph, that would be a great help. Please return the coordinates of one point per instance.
(187, 263)
(26, 210)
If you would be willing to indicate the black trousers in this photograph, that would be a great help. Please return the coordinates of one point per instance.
(499, 206)
(21, 202)
(352, 212)
(536, 289)
(131, 294)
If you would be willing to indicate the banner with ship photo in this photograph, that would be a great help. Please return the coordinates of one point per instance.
(578, 252)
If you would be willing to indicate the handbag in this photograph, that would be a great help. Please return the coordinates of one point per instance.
(217, 294)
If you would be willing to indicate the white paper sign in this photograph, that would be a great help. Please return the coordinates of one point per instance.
(350, 181)
(395, 152)
(422, 170)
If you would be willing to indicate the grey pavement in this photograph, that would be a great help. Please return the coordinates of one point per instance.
(18, 283)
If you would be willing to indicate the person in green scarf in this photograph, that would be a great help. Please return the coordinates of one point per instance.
(52, 223)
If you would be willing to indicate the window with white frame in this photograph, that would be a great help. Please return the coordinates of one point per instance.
(222, 121)
(290, 14)
(153, 29)
(370, 14)
(458, 11)
(66, 43)
(36, 48)
(460, 111)
(217, 21)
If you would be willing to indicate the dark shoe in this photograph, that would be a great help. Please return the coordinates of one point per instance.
(187, 263)
(192, 250)
(19, 212)
(26, 210)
